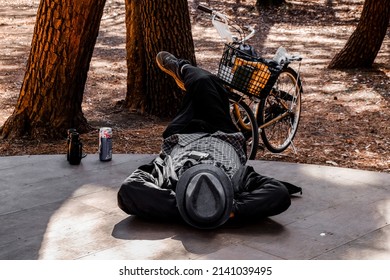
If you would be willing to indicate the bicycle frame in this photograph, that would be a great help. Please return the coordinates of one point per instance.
(285, 106)
(274, 120)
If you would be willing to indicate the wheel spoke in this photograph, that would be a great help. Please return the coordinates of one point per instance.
(279, 112)
(245, 121)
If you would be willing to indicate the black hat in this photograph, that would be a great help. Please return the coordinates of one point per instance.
(204, 195)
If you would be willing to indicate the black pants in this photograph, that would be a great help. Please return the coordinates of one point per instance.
(205, 105)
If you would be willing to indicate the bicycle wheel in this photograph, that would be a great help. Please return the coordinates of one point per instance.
(245, 121)
(278, 114)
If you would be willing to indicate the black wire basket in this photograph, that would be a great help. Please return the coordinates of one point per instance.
(251, 75)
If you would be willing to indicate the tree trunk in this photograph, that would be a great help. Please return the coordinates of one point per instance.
(52, 91)
(153, 26)
(365, 42)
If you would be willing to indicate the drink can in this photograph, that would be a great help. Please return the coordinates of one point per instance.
(105, 144)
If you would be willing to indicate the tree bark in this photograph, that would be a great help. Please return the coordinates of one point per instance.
(52, 91)
(153, 26)
(365, 42)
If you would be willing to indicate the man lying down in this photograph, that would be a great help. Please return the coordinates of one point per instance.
(201, 176)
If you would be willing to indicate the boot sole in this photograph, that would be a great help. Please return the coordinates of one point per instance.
(172, 74)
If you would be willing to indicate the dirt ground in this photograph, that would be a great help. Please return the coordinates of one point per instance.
(345, 118)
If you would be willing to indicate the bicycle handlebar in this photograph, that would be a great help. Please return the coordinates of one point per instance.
(221, 23)
(205, 9)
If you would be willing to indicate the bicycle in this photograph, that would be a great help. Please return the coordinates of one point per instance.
(265, 94)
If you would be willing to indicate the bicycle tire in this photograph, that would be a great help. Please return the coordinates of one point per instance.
(245, 121)
(286, 92)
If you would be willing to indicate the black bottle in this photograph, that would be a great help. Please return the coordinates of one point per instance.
(75, 149)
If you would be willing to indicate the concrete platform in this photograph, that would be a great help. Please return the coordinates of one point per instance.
(52, 210)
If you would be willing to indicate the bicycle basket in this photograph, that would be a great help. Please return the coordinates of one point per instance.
(245, 73)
